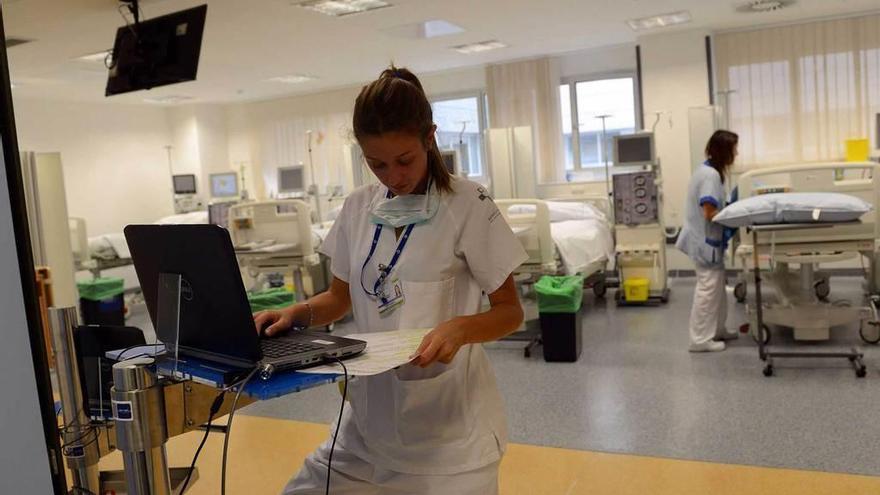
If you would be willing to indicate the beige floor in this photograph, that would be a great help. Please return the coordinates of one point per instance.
(265, 452)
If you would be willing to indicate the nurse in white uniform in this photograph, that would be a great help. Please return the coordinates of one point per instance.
(703, 241)
(417, 250)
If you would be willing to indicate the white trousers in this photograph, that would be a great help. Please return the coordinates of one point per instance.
(355, 476)
(709, 312)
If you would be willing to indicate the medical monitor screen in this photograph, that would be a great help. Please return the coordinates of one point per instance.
(635, 149)
(291, 180)
(224, 185)
(184, 184)
(156, 52)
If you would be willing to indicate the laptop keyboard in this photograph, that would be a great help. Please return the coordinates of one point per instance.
(276, 348)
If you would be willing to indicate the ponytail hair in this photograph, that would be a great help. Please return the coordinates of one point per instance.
(720, 151)
(396, 102)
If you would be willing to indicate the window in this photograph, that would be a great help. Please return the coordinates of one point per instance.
(582, 102)
(798, 92)
(460, 123)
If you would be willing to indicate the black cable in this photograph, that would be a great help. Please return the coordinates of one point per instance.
(229, 427)
(215, 407)
(338, 422)
(155, 346)
(89, 430)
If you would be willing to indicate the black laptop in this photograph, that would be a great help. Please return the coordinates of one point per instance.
(197, 263)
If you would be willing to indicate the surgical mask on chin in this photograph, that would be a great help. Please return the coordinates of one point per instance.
(401, 211)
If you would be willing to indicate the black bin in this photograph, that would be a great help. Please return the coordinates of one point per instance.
(561, 335)
(109, 311)
(561, 315)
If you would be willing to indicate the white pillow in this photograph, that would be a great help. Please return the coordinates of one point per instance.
(793, 208)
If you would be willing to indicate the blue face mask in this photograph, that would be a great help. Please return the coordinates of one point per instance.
(408, 209)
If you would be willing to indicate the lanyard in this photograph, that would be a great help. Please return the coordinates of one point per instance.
(384, 270)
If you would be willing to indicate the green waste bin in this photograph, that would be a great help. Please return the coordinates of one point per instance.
(270, 299)
(101, 301)
(559, 310)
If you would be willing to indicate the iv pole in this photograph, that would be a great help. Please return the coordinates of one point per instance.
(463, 173)
(313, 187)
(604, 117)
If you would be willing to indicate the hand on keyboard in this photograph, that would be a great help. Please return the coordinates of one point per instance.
(273, 322)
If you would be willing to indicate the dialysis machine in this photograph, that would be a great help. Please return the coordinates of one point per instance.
(640, 250)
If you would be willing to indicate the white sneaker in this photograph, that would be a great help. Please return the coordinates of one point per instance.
(710, 346)
(726, 335)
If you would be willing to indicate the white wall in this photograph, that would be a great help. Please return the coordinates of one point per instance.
(115, 164)
(610, 59)
(264, 135)
(674, 79)
(200, 143)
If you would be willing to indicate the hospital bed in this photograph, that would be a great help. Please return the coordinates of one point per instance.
(109, 252)
(277, 236)
(97, 254)
(800, 292)
(567, 235)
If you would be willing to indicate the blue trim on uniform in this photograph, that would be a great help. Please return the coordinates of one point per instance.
(714, 243)
(712, 201)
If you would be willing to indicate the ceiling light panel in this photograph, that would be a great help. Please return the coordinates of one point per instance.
(479, 47)
(292, 79)
(340, 8)
(658, 21)
(434, 28)
(95, 57)
(169, 99)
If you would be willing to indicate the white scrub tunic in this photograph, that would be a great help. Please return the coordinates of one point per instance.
(443, 420)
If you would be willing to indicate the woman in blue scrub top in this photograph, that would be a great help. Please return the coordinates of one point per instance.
(703, 242)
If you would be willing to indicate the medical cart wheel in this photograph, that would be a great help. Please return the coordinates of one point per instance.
(872, 336)
(822, 288)
(739, 292)
(861, 372)
(599, 289)
(768, 370)
(527, 352)
(766, 335)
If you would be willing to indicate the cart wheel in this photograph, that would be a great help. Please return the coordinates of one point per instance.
(872, 335)
(664, 298)
(768, 370)
(599, 289)
(527, 352)
(861, 372)
(766, 335)
(822, 288)
(739, 292)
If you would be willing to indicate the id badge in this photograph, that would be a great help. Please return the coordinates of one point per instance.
(392, 299)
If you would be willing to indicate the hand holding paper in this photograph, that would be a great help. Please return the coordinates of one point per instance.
(385, 351)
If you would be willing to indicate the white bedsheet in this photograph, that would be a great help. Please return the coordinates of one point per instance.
(113, 246)
(561, 211)
(582, 242)
(109, 246)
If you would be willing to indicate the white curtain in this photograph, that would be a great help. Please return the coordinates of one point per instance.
(800, 91)
(285, 143)
(527, 93)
